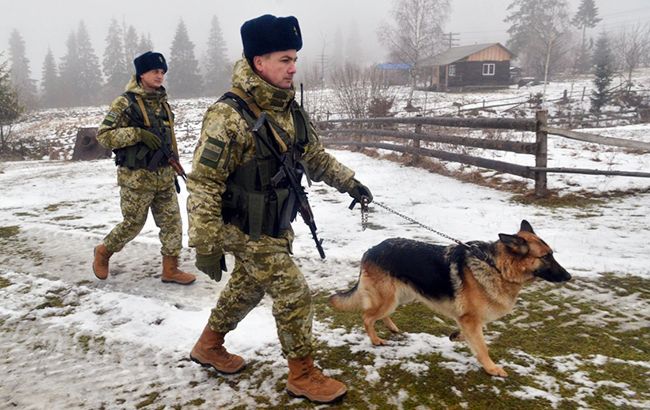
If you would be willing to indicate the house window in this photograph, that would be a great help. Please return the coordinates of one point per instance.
(452, 70)
(488, 69)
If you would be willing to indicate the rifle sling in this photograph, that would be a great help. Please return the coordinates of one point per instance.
(255, 109)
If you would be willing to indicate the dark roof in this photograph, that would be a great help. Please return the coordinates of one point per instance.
(458, 53)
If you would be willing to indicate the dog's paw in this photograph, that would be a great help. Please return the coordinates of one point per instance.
(497, 371)
(456, 336)
(379, 342)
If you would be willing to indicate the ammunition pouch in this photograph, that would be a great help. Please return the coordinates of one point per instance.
(139, 156)
(258, 199)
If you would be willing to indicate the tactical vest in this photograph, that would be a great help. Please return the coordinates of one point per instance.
(258, 199)
(141, 115)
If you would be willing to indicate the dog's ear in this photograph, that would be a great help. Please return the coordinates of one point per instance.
(525, 226)
(515, 243)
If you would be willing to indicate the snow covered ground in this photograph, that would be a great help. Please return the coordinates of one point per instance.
(70, 341)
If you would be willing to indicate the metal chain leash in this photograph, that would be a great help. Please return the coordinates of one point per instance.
(475, 250)
(420, 224)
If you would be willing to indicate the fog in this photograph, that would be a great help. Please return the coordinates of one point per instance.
(326, 25)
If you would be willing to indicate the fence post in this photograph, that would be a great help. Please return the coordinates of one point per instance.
(541, 153)
(416, 141)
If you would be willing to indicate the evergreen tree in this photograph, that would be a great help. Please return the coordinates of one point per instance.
(20, 72)
(130, 48)
(216, 68)
(603, 73)
(89, 76)
(68, 72)
(50, 82)
(10, 107)
(184, 77)
(538, 34)
(586, 17)
(145, 44)
(114, 62)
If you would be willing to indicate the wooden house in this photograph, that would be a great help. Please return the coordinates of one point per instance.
(470, 67)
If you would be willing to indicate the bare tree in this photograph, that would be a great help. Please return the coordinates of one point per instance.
(358, 90)
(631, 45)
(415, 33)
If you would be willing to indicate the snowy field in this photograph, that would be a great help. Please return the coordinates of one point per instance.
(70, 341)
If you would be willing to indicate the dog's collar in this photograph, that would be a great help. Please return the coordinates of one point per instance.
(482, 256)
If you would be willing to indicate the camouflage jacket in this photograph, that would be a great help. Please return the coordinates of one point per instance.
(228, 143)
(116, 131)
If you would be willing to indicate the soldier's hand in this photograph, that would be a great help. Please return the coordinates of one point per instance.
(211, 264)
(359, 191)
(149, 139)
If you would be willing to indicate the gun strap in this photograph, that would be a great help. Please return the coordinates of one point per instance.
(143, 110)
(147, 122)
(171, 126)
(252, 105)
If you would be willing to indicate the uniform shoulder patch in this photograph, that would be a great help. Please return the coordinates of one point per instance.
(110, 118)
(212, 152)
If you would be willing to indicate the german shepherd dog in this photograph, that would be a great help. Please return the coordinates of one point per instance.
(452, 281)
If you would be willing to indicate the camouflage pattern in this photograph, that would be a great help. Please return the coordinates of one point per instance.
(262, 265)
(277, 274)
(141, 189)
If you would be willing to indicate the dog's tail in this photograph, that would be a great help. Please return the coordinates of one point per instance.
(348, 300)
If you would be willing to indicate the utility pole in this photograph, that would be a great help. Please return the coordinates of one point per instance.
(452, 39)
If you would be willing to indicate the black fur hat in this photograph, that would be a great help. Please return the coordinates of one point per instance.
(267, 33)
(149, 61)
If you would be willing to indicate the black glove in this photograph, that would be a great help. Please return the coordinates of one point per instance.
(149, 139)
(358, 191)
(211, 264)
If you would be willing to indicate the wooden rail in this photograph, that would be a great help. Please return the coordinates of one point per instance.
(539, 148)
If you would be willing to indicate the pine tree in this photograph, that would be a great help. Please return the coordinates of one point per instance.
(89, 77)
(603, 73)
(114, 62)
(10, 107)
(68, 72)
(586, 17)
(145, 44)
(50, 82)
(130, 47)
(184, 77)
(20, 72)
(538, 29)
(216, 68)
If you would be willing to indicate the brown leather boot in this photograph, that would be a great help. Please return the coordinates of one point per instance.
(209, 352)
(100, 263)
(307, 381)
(171, 273)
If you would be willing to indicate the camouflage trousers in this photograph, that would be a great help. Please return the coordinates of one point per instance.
(135, 204)
(276, 273)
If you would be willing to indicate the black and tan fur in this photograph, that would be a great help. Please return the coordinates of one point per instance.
(451, 281)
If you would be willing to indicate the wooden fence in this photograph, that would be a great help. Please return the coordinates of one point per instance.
(374, 135)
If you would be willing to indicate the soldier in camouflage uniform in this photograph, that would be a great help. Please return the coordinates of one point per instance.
(137, 125)
(240, 203)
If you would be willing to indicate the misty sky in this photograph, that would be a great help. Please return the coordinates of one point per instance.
(326, 24)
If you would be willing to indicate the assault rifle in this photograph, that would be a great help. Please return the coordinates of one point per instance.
(294, 184)
(164, 150)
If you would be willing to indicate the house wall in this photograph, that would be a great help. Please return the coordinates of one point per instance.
(470, 73)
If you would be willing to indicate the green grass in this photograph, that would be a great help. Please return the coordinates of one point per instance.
(561, 325)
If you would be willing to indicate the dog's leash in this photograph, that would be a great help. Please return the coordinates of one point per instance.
(473, 249)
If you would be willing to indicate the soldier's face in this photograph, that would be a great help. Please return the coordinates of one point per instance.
(277, 68)
(152, 79)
